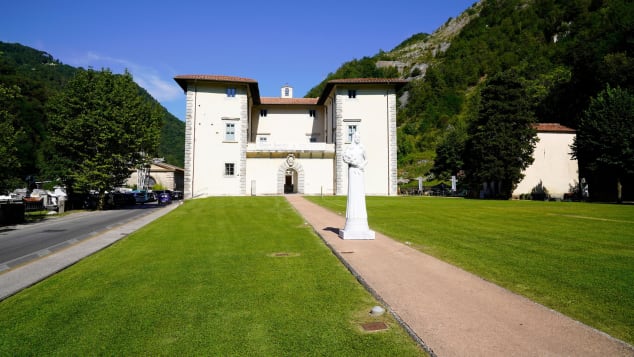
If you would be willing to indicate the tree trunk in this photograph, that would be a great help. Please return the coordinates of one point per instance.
(101, 201)
(619, 190)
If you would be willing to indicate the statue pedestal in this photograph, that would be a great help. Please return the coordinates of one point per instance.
(356, 228)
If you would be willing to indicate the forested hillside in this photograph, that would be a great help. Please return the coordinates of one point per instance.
(37, 76)
(565, 53)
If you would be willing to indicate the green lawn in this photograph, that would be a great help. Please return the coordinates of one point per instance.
(241, 276)
(576, 258)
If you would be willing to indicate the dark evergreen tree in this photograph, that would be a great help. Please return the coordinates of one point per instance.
(605, 138)
(502, 138)
(450, 153)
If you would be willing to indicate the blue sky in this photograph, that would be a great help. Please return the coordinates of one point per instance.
(273, 42)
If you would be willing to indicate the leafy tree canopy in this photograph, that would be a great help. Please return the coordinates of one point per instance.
(100, 128)
(10, 162)
(605, 137)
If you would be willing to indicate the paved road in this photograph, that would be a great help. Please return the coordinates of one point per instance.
(23, 243)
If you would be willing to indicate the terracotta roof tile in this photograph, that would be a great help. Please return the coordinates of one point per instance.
(276, 100)
(183, 79)
(397, 82)
(214, 78)
(553, 128)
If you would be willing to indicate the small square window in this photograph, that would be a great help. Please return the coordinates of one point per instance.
(229, 169)
(313, 139)
(231, 92)
(312, 113)
(352, 93)
(263, 112)
(263, 139)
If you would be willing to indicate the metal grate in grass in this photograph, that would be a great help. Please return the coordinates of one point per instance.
(374, 326)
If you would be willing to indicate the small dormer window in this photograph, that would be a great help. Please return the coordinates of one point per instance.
(352, 93)
(287, 92)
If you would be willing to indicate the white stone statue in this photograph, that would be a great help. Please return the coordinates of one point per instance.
(356, 214)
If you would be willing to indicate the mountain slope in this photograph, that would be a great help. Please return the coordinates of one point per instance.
(39, 76)
(566, 51)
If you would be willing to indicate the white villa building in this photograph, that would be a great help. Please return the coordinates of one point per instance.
(553, 169)
(238, 143)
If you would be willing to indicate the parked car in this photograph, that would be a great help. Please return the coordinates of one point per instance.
(143, 196)
(177, 195)
(164, 197)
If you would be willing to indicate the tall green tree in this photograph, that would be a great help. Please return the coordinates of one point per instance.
(449, 153)
(501, 140)
(604, 144)
(9, 162)
(100, 128)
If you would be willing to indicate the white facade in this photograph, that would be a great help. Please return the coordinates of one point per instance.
(554, 169)
(240, 144)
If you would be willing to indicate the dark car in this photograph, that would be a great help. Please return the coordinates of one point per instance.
(163, 197)
(177, 195)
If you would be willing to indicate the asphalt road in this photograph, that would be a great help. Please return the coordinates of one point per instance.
(23, 243)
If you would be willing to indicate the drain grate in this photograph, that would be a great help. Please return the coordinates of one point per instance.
(374, 326)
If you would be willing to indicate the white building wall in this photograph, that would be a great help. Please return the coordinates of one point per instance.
(553, 167)
(319, 176)
(370, 111)
(212, 110)
(289, 125)
(316, 175)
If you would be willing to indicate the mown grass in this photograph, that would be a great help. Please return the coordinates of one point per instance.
(204, 280)
(576, 258)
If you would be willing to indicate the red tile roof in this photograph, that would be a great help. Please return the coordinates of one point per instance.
(183, 80)
(276, 100)
(397, 82)
(553, 128)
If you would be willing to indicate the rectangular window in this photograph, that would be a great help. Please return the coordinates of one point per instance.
(229, 169)
(263, 112)
(351, 130)
(230, 132)
(231, 92)
(313, 139)
(352, 93)
(263, 139)
(312, 113)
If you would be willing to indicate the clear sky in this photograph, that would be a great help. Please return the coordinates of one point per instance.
(274, 42)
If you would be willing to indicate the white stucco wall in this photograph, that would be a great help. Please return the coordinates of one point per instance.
(288, 125)
(553, 167)
(212, 109)
(316, 175)
(370, 111)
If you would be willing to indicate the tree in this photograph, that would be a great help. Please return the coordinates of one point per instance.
(100, 128)
(604, 144)
(450, 153)
(501, 139)
(9, 163)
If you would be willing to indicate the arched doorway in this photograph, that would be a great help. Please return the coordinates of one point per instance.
(290, 176)
(290, 181)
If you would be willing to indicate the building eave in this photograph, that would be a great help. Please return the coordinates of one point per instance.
(396, 82)
(184, 80)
